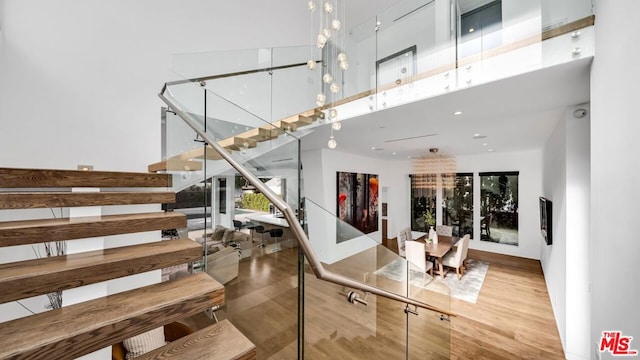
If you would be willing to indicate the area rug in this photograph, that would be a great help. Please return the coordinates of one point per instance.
(467, 288)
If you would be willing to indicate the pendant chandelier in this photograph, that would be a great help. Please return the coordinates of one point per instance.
(330, 17)
(434, 168)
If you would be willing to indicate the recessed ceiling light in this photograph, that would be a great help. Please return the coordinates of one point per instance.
(457, 113)
(472, 30)
(476, 135)
(393, 153)
(409, 157)
(373, 148)
(485, 144)
(490, 150)
(479, 136)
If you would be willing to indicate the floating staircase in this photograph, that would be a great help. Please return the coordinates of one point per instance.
(187, 161)
(85, 327)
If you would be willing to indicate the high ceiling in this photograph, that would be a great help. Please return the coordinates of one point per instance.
(515, 114)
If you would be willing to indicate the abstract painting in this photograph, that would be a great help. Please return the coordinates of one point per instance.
(356, 204)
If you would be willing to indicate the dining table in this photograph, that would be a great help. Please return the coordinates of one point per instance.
(438, 251)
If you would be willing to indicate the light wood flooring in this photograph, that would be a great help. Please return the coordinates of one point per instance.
(512, 318)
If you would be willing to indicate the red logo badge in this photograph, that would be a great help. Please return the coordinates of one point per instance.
(617, 344)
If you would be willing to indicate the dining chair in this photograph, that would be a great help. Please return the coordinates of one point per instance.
(444, 230)
(403, 236)
(455, 259)
(417, 257)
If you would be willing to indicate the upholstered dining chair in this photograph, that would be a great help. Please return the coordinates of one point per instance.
(455, 259)
(417, 257)
(444, 230)
(403, 236)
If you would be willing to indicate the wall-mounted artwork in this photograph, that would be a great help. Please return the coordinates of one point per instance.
(356, 204)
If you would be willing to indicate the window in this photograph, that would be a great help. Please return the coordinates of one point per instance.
(423, 201)
(499, 207)
(457, 204)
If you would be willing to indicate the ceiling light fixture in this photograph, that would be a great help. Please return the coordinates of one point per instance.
(332, 143)
(328, 42)
(429, 167)
(457, 113)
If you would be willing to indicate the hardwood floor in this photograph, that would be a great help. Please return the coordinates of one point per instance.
(512, 318)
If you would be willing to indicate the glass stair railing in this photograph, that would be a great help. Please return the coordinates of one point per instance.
(258, 290)
(245, 113)
(371, 326)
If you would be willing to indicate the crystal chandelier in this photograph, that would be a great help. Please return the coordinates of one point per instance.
(330, 24)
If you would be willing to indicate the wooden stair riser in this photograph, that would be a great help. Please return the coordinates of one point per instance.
(41, 276)
(80, 329)
(69, 199)
(14, 233)
(39, 178)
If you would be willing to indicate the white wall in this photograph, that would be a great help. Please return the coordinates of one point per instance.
(553, 258)
(578, 236)
(615, 175)
(80, 78)
(565, 263)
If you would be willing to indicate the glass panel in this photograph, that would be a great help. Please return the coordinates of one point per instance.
(338, 329)
(558, 13)
(499, 207)
(457, 204)
(360, 45)
(260, 282)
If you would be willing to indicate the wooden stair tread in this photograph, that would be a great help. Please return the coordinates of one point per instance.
(237, 143)
(175, 165)
(36, 231)
(198, 153)
(29, 278)
(39, 178)
(82, 328)
(218, 341)
(31, 200)
(258, 134)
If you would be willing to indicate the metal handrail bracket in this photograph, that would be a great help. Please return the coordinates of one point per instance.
(317, 267)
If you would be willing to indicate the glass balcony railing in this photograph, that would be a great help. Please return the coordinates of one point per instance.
(414, 50)
(343, 321)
